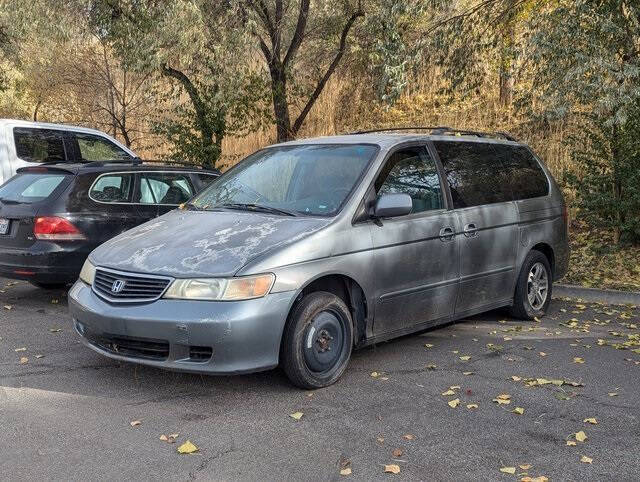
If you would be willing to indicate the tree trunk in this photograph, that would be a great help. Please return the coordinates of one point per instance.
(506, 65)
(280, 104)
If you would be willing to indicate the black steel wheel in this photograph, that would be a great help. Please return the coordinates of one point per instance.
(317, 340)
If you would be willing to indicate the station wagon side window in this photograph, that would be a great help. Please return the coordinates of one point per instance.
(474, 173)
(412, 171)
(171, 188)
(525, 176)
(97, 148)
(39, 145)
(113, 188)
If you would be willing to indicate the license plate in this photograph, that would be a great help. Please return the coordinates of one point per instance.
(4, 226)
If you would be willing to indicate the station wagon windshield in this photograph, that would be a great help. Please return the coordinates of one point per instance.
(290, 180)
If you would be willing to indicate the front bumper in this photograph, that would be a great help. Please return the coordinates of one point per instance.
(193, 336)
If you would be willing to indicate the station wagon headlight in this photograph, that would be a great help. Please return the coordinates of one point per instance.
(221, 289)
(88, 272)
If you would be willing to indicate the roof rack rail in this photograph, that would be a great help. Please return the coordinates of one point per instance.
(441, 131)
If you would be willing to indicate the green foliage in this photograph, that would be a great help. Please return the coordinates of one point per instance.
(607, 175)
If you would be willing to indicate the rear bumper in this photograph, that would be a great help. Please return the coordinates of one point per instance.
(192, 336)
(44, 262)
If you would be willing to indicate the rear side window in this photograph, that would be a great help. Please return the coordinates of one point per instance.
(39, 145)
(411, 171)
(474, 173)
(113, 188)
(30, 188)
(164, 188)
(524, 174)
(97, 148)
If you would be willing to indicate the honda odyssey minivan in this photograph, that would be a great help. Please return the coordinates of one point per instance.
(309, 249)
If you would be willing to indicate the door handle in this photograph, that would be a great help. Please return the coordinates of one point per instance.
(470, 230)
(446, 233)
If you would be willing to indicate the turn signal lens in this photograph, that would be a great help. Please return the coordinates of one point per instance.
(56, 229)
(250, 287)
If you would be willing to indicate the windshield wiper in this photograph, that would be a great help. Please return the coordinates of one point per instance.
(257, 207)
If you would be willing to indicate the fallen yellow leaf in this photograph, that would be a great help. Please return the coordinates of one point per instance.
(578, 360)
(467, 373)
(135, 423)
(465, 358)
(187, 448)
(581, 436)
(586, 460)
(541, 478)
(375, 374)
(397, 453)
(515, 378)
(296, 415)
(454, 403)
(20, 349)
(8, 307)
(164, 438)
(590, 420)
(508, 470)
(525, 466)
(518, 410)
(346, 471)
(408, 436)
(543, 353)
(613, 394)
(448, 393)
(392, 469)
(472, 406)
(428, 345)
(24, 360)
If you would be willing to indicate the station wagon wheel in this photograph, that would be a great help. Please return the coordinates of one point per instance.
(317, 341)
(533, 289)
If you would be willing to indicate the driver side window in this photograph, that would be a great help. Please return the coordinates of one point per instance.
(412, 171)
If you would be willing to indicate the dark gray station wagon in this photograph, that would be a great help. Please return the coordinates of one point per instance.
(308, 249)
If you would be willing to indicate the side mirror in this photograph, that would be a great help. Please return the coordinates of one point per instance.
(392, 205)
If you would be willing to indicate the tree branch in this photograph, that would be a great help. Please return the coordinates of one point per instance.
(298, 35)
(332, 67)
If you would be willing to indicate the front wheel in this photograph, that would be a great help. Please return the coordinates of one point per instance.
(317, 341)
(533, 291)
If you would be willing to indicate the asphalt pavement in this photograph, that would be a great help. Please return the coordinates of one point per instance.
(66, 412)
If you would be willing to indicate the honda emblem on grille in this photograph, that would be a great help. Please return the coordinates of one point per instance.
(117, 286)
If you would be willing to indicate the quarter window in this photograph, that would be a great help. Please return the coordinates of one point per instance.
(164, 188)
(97, 148)
(474, 173)
(39, 145)
(113, 188)
(523, 172)
(413, 172)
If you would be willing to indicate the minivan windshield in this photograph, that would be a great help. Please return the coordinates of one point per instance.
(30, 188)
(290, 180)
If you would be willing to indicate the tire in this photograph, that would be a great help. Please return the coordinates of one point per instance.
(49, 286)
(535, 266)
(317, 341)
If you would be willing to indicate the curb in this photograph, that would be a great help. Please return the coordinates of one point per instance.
(595, 294)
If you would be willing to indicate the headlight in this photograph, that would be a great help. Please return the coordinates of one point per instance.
(221, 289)
(88, 272)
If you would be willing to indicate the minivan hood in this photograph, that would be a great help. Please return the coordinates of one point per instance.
(192, 244)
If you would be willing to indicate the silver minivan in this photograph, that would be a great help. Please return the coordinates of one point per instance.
(308, 249)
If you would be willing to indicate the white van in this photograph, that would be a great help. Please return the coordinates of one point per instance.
(24, 143)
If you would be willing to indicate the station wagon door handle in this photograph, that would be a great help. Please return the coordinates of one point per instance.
(446, 233)
(470, 230)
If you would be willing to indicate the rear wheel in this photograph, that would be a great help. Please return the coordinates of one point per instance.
(533, 291)
(317, 341)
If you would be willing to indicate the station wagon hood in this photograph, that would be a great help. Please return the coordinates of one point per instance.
(192, 244)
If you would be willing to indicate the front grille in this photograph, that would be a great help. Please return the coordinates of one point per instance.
(133, 347)
(119, 286)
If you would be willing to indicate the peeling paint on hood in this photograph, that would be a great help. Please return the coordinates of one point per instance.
(202, 244)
